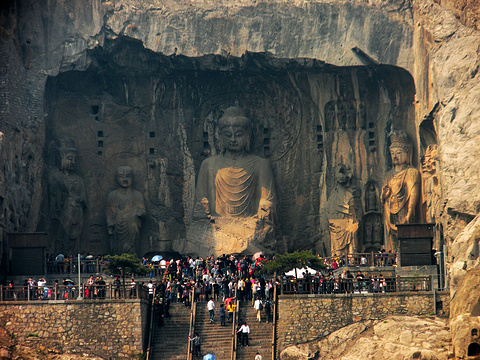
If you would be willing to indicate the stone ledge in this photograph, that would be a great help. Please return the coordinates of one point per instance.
(369, 295)
(71, 302)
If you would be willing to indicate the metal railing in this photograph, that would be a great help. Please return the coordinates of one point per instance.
(150, 328)
(274, 320)
(363, 259)
(70, 266)
(191, 331)
(72, 292)
(368, 285)
(234, 326)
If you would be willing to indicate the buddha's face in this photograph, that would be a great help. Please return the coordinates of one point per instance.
(68, 161)
(234, 138)
(343, 174)
(399, 155)
(124, 176)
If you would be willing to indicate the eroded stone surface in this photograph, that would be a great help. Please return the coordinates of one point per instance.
(396, 337)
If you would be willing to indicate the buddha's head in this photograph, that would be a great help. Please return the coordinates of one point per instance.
(67, 154)
(343, 174)
(124, 176)
(234, 130)
(400, 148)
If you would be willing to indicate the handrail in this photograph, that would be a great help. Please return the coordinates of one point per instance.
(274, 316)
(234, 326)
(389, 284)
(193, 310)
(69, 266)
(70, 292)
(150, 330)
(369, 259)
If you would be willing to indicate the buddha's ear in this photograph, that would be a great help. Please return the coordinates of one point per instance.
(218, 141)
(248, 141)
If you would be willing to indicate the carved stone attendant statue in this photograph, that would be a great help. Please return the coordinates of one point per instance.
(401, 192)
(344, 224)
(67, 198)
(431, 183)
(19, 198)
(372, 219)
(125, 211)
(235, 190)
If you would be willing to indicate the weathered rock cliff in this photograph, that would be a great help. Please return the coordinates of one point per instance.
(44, 42)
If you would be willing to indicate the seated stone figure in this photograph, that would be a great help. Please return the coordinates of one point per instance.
(235, 183)
(401, 192)
(125, 211)
(235, 190)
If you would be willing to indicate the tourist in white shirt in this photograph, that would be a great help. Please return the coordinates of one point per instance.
(259, 307)
(211, 309)
(244, 330)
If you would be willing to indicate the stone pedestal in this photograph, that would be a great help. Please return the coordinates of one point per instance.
(229, 236)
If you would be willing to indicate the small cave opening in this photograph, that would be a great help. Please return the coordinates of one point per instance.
(473, 349)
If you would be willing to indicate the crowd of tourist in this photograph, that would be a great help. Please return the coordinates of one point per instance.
(66, 264)
(212, 277)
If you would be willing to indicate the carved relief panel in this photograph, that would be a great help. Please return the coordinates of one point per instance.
(305, 120)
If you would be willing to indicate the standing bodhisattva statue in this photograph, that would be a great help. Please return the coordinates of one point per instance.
(67, 198)
(125, 211)
(401, 192)
(235, 183)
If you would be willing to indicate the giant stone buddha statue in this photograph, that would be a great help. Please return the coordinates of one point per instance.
(235, 192)
(235, 183)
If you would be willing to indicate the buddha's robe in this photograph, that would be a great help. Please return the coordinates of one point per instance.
(124, 211)
(404, 191)
(242, 187)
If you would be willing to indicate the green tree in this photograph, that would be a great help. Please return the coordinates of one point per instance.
(283, 263)
(124, 263)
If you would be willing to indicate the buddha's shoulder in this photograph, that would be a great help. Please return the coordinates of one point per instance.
(412, 170)
(246, 158)
(412, 174)
(256, 158)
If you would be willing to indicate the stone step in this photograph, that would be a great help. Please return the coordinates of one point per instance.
(170, 341)
(260, 338)
(216, 339)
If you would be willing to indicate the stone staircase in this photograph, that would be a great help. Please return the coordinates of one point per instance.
(170, 341)
(216, 339)
(260, 338)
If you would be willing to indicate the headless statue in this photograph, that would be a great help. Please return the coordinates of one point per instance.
(125, 211)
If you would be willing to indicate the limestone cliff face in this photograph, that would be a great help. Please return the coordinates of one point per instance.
(435, 41)
(107, 80)
(423, 37)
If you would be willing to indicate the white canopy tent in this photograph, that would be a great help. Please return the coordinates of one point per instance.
(301, 271)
